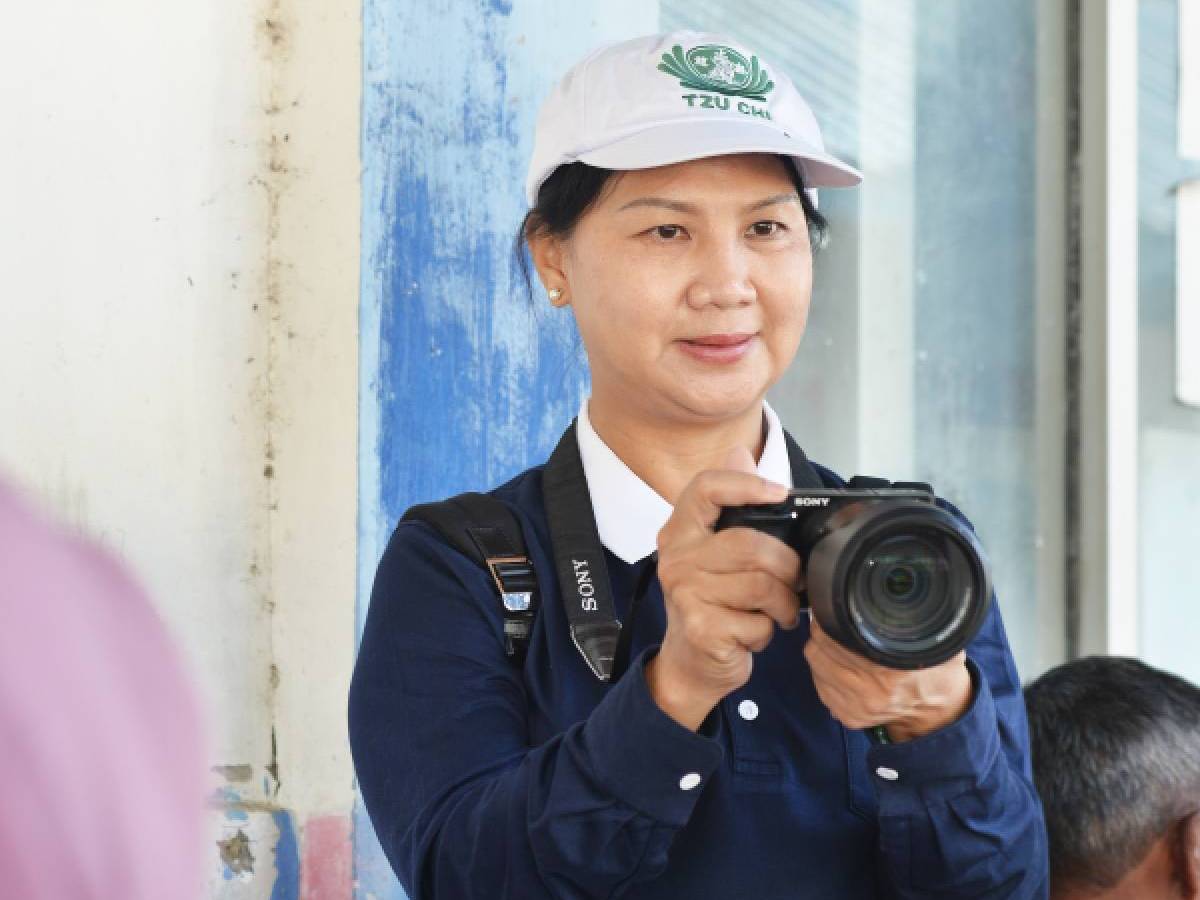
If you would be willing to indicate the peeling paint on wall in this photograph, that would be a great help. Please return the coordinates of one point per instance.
(287, 860)
(236, 855)
(463, 382)
(237, 773)
(246, 833)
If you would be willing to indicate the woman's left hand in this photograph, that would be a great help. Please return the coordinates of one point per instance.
(863, 694)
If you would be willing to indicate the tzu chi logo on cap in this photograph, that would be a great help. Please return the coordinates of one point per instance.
(715, 67)
(723, 70)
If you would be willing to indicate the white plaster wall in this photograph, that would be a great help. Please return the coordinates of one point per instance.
(178, 311)
(131, 375)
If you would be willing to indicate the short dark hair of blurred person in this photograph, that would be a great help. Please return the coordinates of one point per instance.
(1116, 759)
(101, 751)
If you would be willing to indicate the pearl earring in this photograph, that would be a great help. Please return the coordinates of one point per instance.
(554, 294)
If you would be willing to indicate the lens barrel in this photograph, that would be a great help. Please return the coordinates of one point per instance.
(904, 583)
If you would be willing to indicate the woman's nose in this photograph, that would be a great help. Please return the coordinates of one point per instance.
(721, 279)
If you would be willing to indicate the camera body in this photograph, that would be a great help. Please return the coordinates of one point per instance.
(888, 573)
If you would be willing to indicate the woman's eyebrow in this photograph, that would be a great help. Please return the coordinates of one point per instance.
(674, 205)
(790, 197)
(681, 207)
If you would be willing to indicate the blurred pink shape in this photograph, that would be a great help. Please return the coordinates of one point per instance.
(101, 750)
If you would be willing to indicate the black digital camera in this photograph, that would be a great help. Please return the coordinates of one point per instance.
(888, 573)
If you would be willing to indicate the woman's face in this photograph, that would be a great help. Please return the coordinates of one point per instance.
(690, 284)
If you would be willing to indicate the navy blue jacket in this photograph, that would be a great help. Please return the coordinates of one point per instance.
(485, 779)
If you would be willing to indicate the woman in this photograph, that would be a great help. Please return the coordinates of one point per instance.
(671, 211)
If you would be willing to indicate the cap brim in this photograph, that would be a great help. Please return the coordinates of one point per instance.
(675, 142)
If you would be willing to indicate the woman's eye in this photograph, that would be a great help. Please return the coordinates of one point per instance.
(766, 229)
(667, 232)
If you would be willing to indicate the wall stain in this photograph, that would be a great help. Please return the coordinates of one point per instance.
(275, 33)
(273, 766)
(236, 855)
(236, 773)
(242, 806)
(274, 177)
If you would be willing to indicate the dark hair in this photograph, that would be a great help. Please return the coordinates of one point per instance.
(1116, 758)
(571, 190)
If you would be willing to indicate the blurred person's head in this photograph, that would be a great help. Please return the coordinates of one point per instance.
(101, 752)
(1116, 758)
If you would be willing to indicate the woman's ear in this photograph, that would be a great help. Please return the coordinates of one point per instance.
(549, 258)
(1186, 862)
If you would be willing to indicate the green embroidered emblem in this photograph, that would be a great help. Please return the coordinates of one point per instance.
(714, 67)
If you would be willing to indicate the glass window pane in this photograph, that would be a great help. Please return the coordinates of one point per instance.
(1169, 464)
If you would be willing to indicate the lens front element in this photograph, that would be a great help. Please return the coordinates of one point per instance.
(910, 590)
(900, 581)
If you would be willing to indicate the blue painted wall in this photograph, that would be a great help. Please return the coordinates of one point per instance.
(464, 381)
(287, 859)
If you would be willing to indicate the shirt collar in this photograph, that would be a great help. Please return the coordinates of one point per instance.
(629, 514)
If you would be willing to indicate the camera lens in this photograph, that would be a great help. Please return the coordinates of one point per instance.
(901, 582)
(910, 590)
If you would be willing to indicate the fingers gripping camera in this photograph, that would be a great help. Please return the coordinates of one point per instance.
(888, 572)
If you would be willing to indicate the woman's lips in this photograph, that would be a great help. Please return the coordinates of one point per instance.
(718, 348)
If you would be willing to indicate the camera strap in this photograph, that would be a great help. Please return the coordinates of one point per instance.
(579, 557)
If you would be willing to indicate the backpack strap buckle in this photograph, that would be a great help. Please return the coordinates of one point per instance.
(487, 532)
(515, 581)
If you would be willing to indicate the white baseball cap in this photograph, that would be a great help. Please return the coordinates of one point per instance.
(668, 98)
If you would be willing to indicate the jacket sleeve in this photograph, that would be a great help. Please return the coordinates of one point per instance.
(958, 813)
(463, 805)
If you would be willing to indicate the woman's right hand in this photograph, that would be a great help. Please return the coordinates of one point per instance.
(724, 592)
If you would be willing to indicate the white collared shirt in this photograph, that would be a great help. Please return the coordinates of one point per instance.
(629, 514)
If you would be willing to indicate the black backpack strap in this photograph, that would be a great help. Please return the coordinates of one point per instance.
(487, 532)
